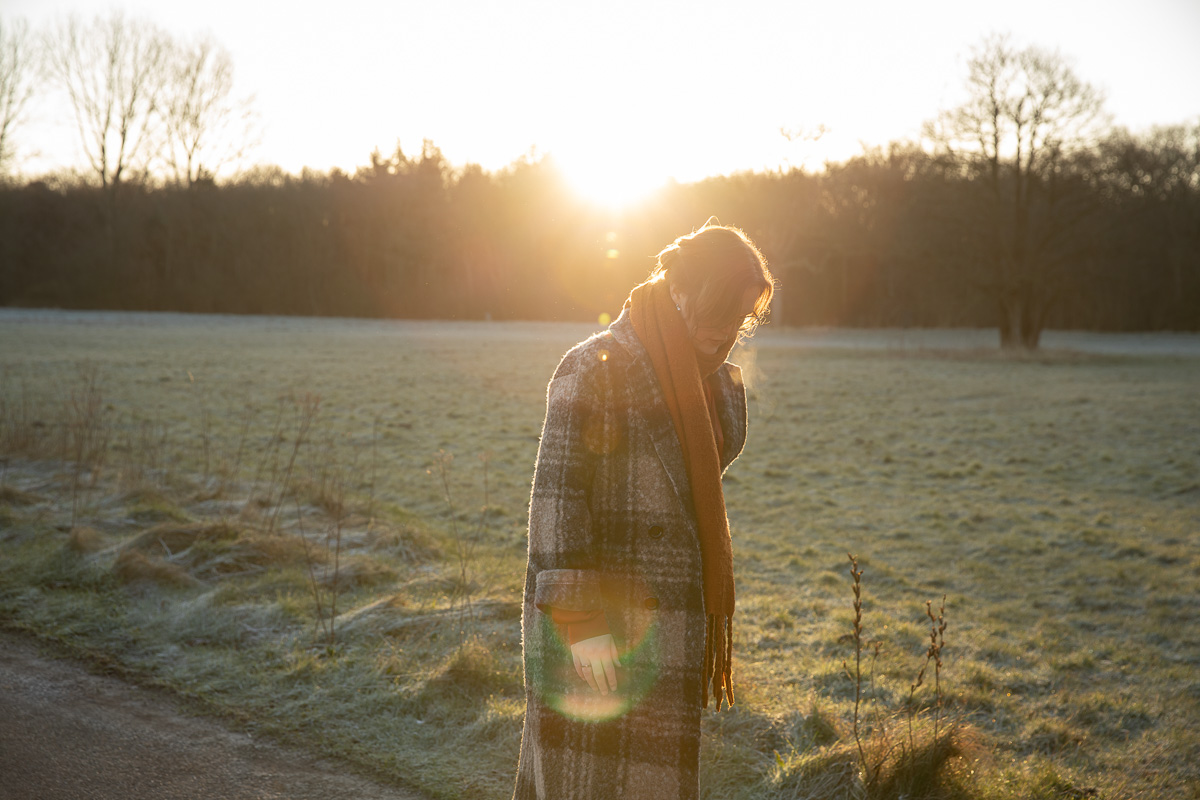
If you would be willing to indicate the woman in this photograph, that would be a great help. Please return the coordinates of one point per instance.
(629, 596)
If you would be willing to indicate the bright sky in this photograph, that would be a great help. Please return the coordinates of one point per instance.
(627, 94)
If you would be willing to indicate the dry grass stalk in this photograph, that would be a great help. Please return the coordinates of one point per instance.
(270, 454)
(86, 439)
(937, 642)
(327, 587)
(373, 471)
(856, 675)
(231, 471)
(307, 408)
(338, 512)
(464, 547)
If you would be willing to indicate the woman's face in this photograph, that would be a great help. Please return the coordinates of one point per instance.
(708, 336)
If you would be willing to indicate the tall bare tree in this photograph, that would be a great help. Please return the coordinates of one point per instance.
(17, 71)
(205, 126)
(111, 70)
(1027, 118)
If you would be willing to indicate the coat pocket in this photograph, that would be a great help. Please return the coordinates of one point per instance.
(568, 589)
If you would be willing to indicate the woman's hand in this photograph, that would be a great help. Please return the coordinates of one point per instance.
(596, 662)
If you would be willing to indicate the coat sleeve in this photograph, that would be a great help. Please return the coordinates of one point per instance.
(575, 626)
(561, 545)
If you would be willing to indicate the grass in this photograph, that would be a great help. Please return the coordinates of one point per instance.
(1053, 500)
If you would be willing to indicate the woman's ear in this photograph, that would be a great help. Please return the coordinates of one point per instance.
(676, 297)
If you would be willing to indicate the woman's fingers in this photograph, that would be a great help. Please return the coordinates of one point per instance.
(579, 670)
(586, 672)
(609, 676)
(589, 675)
(600, 674)
(596, 662)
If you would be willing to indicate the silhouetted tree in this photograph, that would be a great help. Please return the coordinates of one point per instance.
(205, 127)
(1016, 138)
(18, 64)
(111, 70)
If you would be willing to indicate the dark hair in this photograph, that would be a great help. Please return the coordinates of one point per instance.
(714, 267)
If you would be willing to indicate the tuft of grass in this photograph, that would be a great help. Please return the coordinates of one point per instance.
(805, 732)
(406, 541)
(149, 506)
(471, 672)
(61, 567)
(83, 540)
(249, 552)
(172, 540)
(358, 572)
(132, 567)
(828, 773)
(12, 496)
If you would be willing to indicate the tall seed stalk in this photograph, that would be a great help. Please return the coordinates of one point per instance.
(856, 676)
(306, 412)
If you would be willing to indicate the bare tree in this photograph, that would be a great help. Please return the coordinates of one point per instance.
(111, 70)
(17, 70)
(206, 128)
(1028, 117)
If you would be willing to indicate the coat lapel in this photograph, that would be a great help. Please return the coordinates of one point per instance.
(650, 404)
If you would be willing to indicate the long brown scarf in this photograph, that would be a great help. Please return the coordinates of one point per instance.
(680, 370)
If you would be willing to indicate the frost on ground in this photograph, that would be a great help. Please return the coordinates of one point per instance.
(1053, 498)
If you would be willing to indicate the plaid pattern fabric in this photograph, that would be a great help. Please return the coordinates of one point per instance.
(611, 526)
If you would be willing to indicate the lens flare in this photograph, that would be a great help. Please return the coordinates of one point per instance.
(562, 690)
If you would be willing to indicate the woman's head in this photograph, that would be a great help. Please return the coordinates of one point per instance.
(720, 282)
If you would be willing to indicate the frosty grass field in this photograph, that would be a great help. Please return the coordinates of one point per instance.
(1054, 499)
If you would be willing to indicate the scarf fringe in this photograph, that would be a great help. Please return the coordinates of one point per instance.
(718, 660)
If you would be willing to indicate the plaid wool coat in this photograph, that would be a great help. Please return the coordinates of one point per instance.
(612, 526)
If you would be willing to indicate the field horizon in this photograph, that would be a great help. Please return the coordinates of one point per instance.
(915, 339)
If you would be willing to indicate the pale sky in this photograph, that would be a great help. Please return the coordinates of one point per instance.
(627, 94)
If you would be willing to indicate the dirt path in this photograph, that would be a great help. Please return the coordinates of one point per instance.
(67, 734)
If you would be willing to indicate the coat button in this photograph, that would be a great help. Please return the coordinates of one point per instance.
(651, 603)
(656, 532)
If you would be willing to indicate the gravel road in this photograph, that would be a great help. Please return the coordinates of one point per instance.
(68, 734)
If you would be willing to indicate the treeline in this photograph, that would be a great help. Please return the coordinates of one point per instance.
(885, 239)
(1020, 209)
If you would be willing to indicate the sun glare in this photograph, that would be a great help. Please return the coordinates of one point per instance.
(610, 179)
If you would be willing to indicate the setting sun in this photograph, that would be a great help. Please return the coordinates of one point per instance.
(608, 177)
